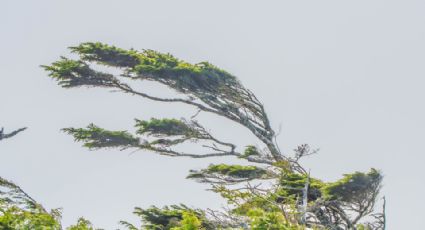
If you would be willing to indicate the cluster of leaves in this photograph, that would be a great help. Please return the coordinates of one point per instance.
(340, 204)
(236, 173)
(152, 65)
(110, 55)
(235, 170)
(182, 76)
(353, 187)
(175, 217)
(72, 73)
(157, 66)
(82, 224)
(95, 137)
(189, 222)
(165, 127)
(260, 219)
(291, 186)
(15, 218)
(250, 150)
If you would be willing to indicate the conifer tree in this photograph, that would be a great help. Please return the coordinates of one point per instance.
(296, 201)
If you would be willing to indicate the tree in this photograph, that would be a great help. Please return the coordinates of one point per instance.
(295, 201)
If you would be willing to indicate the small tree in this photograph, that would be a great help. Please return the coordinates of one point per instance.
(295, 201)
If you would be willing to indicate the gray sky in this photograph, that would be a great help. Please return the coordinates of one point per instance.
(343, 76)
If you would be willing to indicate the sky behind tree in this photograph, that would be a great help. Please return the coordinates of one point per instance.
(342, 76)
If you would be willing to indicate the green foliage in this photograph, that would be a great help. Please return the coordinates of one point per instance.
(250, 150)
(180, 75)
(105, 54)
(70, 73)
(19, 211)
(231, 196)
(156, 63)
(233, 171)
(82, 224)
(176, 217)
(264, 203)
(15, 218)
(261, 220)
(189, 222)
(156, 218)
(164, 127)
(94, 137)
(354, 187)
(292, 184)
(246, 200)
(363, 227)
(236, 170)
(148, 64)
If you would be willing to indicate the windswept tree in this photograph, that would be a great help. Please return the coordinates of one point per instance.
(295, 201)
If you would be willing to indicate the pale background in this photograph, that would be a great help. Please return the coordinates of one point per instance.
(343, 76)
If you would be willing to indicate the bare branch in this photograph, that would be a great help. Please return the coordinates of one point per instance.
(11, 134)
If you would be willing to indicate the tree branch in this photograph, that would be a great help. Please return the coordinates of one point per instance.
(11, 134)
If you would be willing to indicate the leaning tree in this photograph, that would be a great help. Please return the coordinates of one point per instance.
(296, 200)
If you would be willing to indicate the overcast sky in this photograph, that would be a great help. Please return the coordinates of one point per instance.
(343, 76)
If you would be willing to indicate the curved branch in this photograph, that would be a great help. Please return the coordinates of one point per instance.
(11, 134)
(256, 131)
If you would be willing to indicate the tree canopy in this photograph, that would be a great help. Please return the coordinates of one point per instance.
(293, 200)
